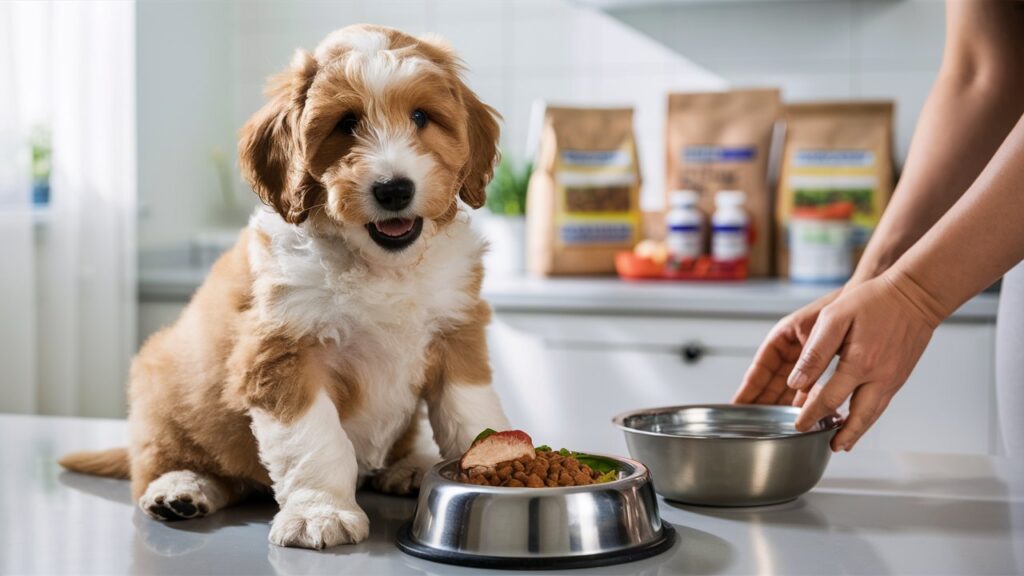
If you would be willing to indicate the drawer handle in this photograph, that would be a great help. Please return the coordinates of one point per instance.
(692, 352)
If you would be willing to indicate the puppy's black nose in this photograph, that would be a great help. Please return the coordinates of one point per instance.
(394, 194)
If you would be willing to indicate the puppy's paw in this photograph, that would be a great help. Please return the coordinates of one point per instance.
(180, 495)
(319, 525)
(404, 477)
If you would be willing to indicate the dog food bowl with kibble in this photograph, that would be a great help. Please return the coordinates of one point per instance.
(536, 528)
(728, 455)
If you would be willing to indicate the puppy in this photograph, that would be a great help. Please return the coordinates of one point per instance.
(300, 365)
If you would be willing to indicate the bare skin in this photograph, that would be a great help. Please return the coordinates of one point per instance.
(954, 226)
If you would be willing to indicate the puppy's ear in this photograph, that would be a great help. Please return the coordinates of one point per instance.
(483, 133)
(270, 151)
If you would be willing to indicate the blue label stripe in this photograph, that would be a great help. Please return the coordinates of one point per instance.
(681, 228)
(715, 154)
(729, 228)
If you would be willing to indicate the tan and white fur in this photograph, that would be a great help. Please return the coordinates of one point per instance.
(349, 306)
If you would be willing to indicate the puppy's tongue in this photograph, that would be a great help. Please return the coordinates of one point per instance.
(395, 226)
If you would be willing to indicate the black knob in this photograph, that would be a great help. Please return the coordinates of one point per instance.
(394, 194)
(692, 352)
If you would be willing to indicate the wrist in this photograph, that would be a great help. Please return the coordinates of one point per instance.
(917, 296)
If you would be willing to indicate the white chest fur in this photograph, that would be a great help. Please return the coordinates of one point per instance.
(375, 322)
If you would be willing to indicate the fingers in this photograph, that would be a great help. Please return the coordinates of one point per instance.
(822, 345)
(799, 398)
(866, 405)
(776, 388)
(825, 400)
(754, 381)
(773, 359)
(788, 398)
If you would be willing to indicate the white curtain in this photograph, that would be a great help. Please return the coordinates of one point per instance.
(82, 298)
(17, 302)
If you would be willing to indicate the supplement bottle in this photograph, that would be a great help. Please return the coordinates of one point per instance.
(684, 236)
(729, 227)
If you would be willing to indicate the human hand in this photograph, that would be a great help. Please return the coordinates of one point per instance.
(765, 380)
(879, 329)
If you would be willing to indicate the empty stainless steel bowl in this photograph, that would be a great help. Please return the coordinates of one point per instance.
(728, 455)
(536, 528)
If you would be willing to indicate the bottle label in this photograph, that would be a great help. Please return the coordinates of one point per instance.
(684, 245)
(728, 243)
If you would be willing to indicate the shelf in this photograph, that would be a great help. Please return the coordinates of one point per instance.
(611, 5)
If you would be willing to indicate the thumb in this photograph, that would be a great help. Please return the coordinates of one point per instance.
(822, 345)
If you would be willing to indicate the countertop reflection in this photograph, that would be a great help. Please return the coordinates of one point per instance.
(873, 513)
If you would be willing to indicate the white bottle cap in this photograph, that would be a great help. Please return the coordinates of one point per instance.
(730, 198)
(683, 198)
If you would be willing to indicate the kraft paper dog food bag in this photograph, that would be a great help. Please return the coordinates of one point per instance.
(835, 152)
(722, 141)
(583, 202)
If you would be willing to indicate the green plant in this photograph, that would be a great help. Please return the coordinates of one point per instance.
(506, 194)
(40, 143)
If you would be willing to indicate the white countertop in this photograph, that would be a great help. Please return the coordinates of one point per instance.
(755, 298)
(872, 513)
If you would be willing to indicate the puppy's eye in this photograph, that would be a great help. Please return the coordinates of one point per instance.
(347, 125)
(419, 118)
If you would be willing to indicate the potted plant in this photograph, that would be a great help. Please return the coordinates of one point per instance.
(41, 151)
(504, 223)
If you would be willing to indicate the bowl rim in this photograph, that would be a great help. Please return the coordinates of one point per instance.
(640, 473)
(829, 423)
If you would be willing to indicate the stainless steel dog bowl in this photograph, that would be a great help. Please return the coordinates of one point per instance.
(536, 528)
(728, 455)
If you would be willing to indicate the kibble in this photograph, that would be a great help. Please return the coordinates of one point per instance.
(547, 469)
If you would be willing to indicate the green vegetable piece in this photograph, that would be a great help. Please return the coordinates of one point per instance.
(484, 434)
(543, 448)
(603, 465)
(565, 452)
(607, 477)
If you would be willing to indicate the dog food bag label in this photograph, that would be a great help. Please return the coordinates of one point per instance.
(835, 154)
(583, 200)
(721, 141)
(594, 191)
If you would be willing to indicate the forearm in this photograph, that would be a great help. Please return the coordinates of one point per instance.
(976, 242)
(973, 106)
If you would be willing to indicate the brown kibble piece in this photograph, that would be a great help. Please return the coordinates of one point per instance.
(534, 481)
(513, 483)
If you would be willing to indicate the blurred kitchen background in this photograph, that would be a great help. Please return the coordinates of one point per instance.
(119, 186)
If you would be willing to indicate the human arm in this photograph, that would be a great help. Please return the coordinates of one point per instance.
(972, 107)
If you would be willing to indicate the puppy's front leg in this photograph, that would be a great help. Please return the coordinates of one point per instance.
(310, 460)
(461, 401)
(313, 466)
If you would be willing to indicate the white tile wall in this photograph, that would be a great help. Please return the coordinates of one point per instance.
(840, 49)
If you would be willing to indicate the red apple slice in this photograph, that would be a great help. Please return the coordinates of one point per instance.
(498, 447)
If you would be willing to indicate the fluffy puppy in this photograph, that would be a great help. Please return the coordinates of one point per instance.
(301, 364)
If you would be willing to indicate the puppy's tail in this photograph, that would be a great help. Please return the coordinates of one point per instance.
(112, 463)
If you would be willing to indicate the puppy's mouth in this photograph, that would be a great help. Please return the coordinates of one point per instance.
(395, 234)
